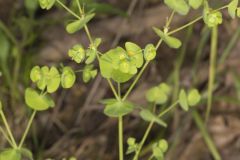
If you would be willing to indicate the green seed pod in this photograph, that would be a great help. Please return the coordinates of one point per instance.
(77, 53)
(149, 52)
(46, 4)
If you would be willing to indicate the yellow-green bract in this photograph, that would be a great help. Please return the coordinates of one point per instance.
(46, 4)
(68, 77)
(149, 116)
(38, 101)
(121, 65)
(180, 6)
(149, 52)
(232, 8)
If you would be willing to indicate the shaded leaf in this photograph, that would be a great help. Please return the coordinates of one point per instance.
(232, 8)
(118, 109)
(79, 24)
(183, 100)
(149, 116)
(180, 6)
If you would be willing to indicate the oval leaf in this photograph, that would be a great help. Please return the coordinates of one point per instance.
(53, 80)
(79, 24)
(149, 116)
(232, 8)
(118, 109)
(180, 6)
(10, 154)
(193, 97)
(68, 77)
(183, 100)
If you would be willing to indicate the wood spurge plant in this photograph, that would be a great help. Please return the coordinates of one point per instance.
(118, 66)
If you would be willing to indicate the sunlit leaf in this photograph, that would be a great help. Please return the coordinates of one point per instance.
(35, 74)
(180, 6)
(77, 53)
(135, 53)
(150, 52)
(156, 95)
(26, 153)
(10, 154)
(46, 4)
(195, 3)
(183, 100)
(232, 8)
(193, 97)
(37, 101)
(163, 145)
(68, 77)
(53, 81)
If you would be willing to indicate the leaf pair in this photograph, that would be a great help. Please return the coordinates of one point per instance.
(189, 100)
(158, 94)
(46, 78)
(50, 79)
(15, 154)
(149, 117)
(115, 108)
(172, 42)
(79, 24)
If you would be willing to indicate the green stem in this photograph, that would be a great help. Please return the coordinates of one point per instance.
(6, 137)
(149, 129)
(27, 129)
(120, 137)
(8, 129)
(113, 89)
(212, 70)
(135, 81)
(119, 90)
(8, 33)
(206, 136)
(68, 9)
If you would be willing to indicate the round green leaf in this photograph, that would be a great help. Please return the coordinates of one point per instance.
(10, 154)
(46, 4)
(91, 54)
(156, 95)
(157, 153)
(68, 77)
(232, 8)
(42, 82)
(150, 52)
(193, 97)
(118, 109)
(53, 81)
(163, 145)
(36, 101)
(195, 3)
(180, 6)
(135, 53)
(165, 88)
(35, 74)
(183, 100)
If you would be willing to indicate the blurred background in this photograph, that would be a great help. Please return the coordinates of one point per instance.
(76, 126)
